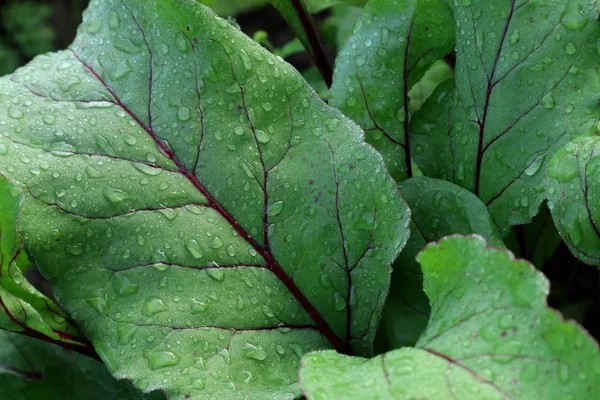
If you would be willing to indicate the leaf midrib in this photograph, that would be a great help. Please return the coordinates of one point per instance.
(272, 264)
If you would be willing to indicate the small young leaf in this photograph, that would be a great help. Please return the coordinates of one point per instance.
(30, 369)
(23, 308)
(526, 82)
(439, 208)
(490, 336)
(201, 213)
(573, 190)
(392, 47)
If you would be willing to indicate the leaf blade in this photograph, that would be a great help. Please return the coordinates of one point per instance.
(231, 229)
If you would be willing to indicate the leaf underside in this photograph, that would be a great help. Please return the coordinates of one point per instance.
(200, 213)
(490, 336)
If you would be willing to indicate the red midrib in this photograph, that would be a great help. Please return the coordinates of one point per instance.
(273, 264)
(488, 95)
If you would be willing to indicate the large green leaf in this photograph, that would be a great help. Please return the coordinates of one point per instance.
(490, 336)
(439, 208)
(393, 45)
(30, 369)
(204, 217)
(526, 81)
(573, 189)
(23, 308)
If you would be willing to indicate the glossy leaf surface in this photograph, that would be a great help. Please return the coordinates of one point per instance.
(526, 82)
(490, 336)
(438, 208)
(204, 217)
(393, 45)
(573, 189)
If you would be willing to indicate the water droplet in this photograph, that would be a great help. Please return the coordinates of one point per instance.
(262, 137)
(49, 119)
(115, 196)
(123, 285)
(199, 306)
(15, 113)
(515, 36)
(239, 304)
(252, 352)
(548, 102)
(275, 209)
(154, 305)
(267, 106)
(231, 251)
(218, 274)
(216, 243)
(183, 114)
(535, 166)
(339, 301)
(75, 249)
(570, 48)
(161, 359)
(194, 248)
(147, 169)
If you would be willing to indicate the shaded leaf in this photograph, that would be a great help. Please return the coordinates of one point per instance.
(573, 190)
(298, 16)
(23, 308)
(439, 208)
(195, 206)
(393, 45)
(526, 82)
(30, 369)
(536, 241)
(490, 336)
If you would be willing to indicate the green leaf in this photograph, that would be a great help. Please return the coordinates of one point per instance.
(490, 336)
(526, 81)
(23, 308)
(573, 190)
(204, 217)
(439, 208)
(344, 18)
(30, 369)
(392, 47)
